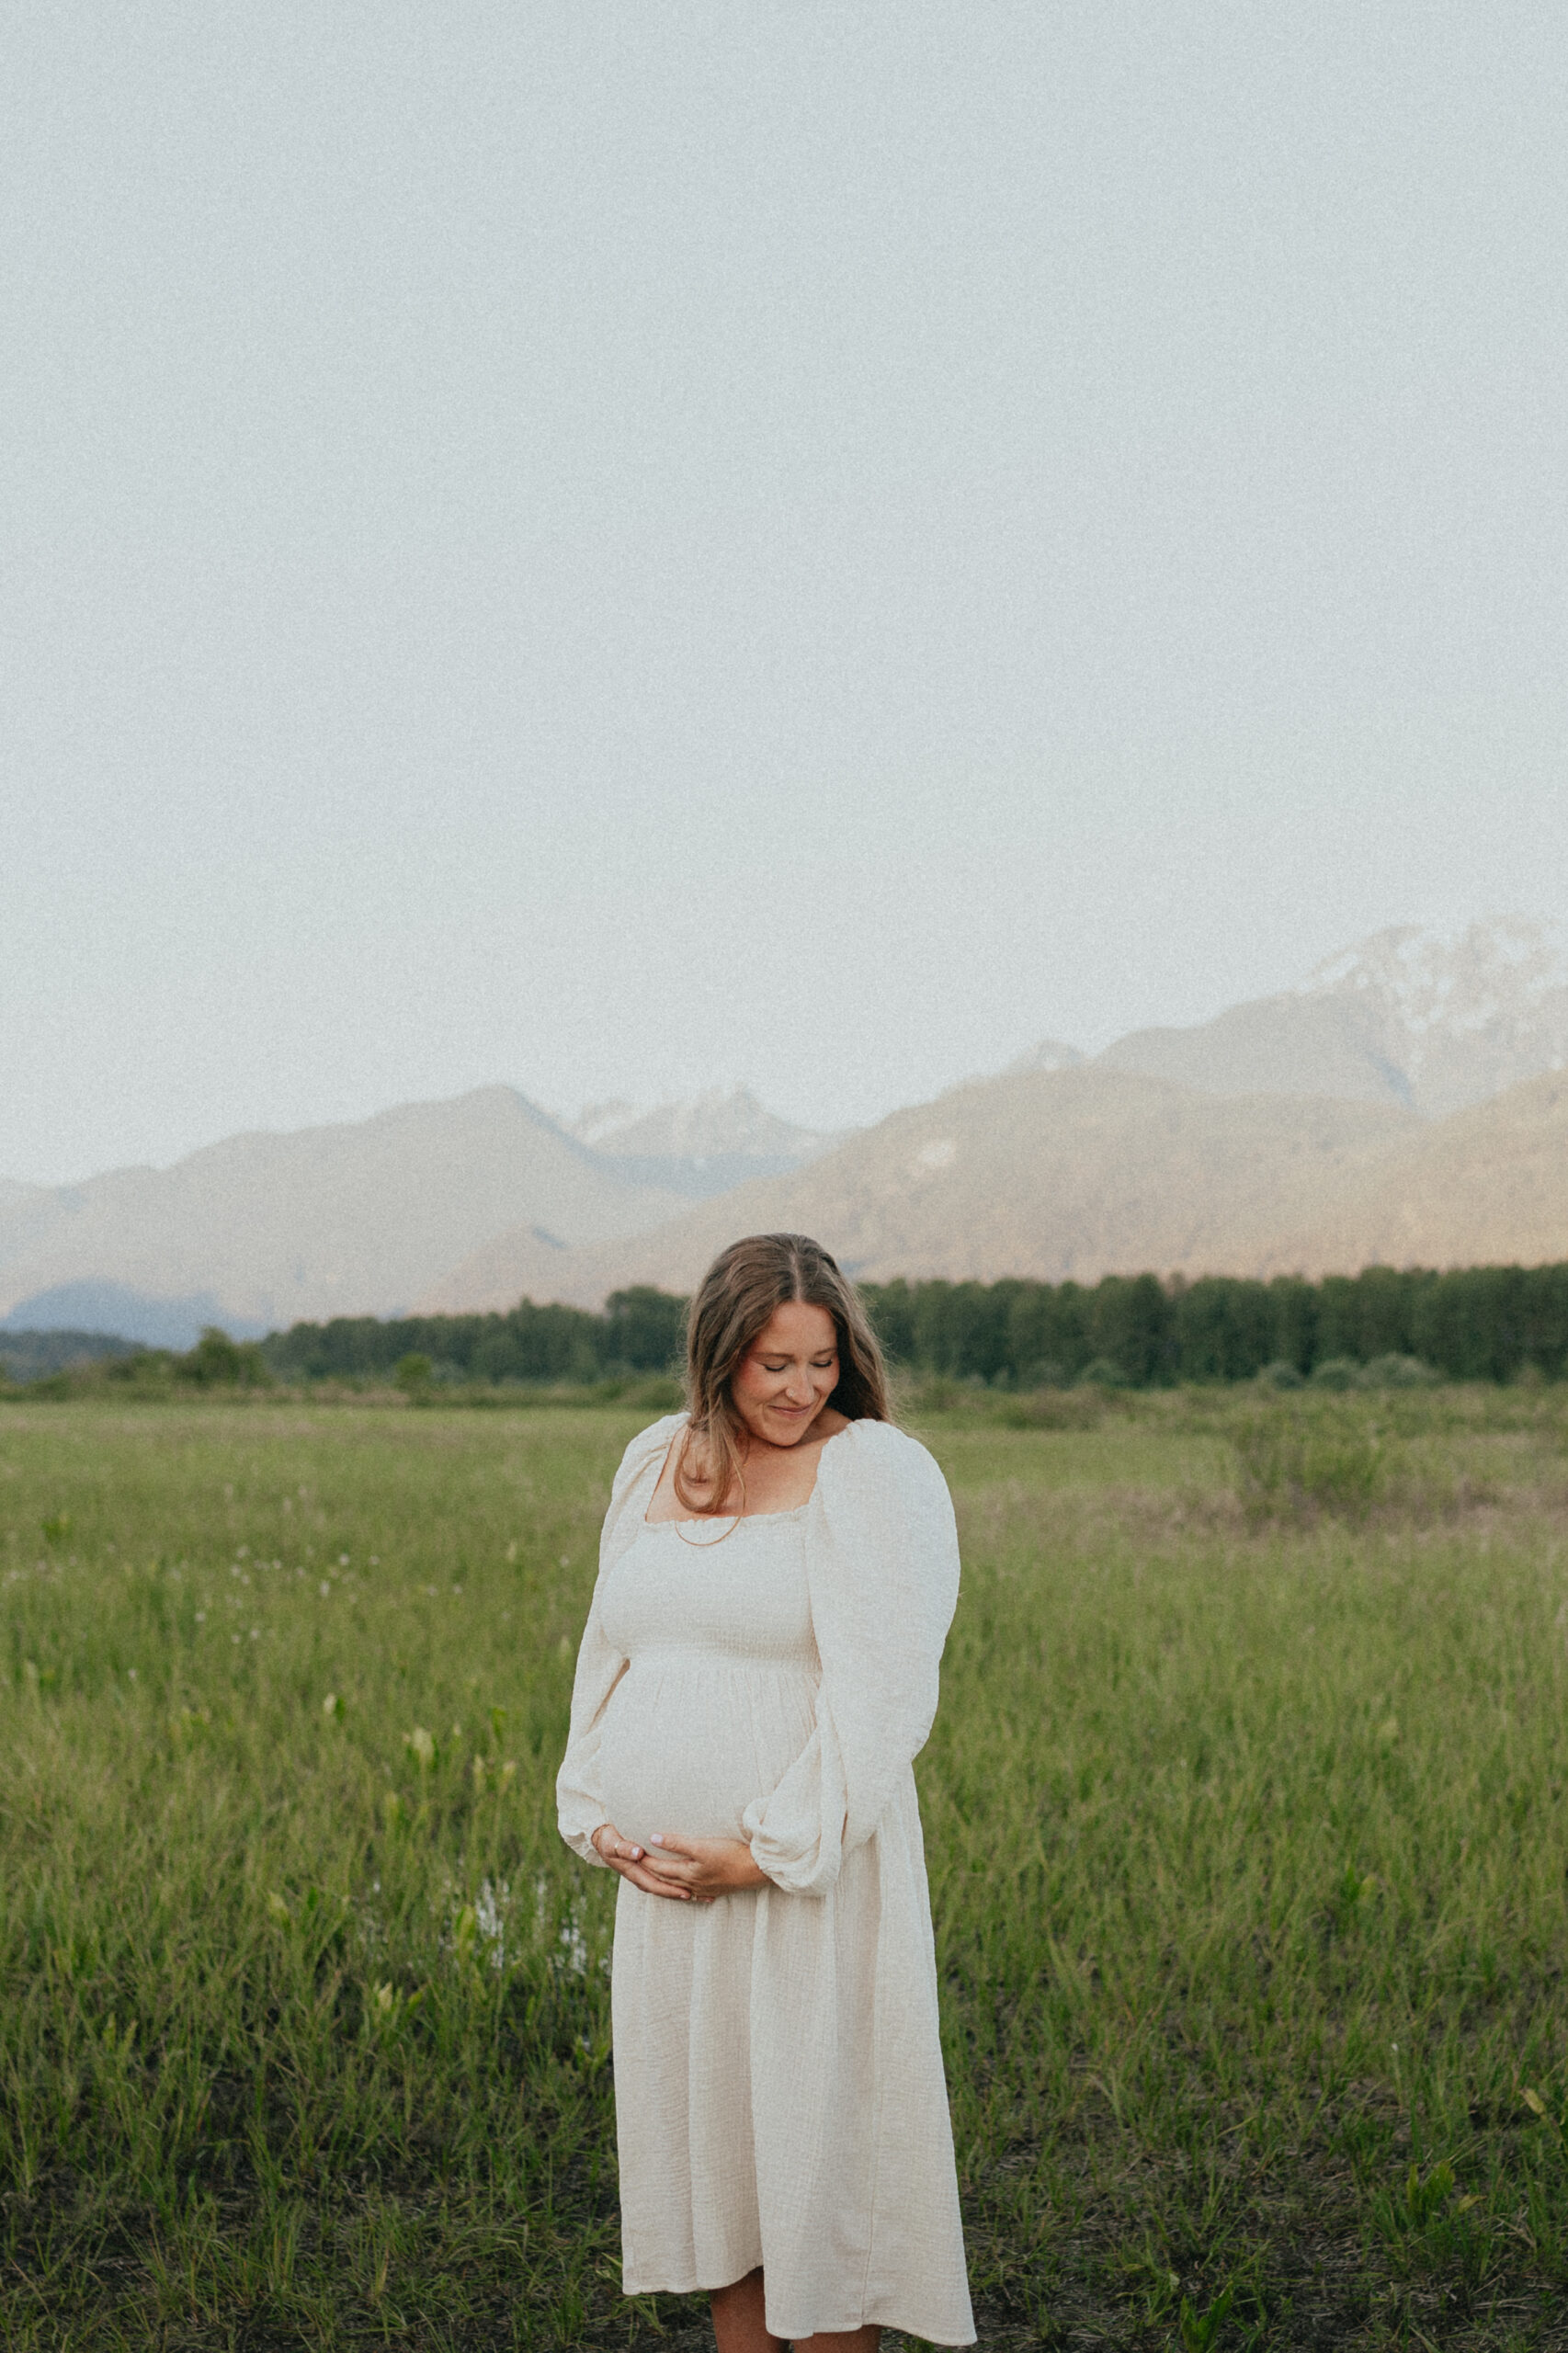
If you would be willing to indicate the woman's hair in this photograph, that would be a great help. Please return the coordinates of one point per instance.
(734, 1302)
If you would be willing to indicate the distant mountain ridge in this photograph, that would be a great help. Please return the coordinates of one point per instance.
(1397, 1103)
(264, 1230)
(707, 1145)
(1082, 1173)
(1409, 1016)
(1054, 1173)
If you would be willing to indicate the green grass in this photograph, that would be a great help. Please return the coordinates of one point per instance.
(1245, 1814)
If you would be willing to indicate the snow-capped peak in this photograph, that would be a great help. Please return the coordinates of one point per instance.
(1491, 993)
(1506, 969)
(1049, 1054)
(725, 1123)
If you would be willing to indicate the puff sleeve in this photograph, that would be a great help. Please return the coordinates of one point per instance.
(579, 1807)
(882, 1569)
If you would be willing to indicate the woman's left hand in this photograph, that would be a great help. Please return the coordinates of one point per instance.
(709, 1866)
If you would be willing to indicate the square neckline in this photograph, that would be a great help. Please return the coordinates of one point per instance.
(739, 1518)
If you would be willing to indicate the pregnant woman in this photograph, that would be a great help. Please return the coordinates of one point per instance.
(776, 1575)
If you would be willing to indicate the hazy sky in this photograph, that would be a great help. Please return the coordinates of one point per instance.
(621, 546)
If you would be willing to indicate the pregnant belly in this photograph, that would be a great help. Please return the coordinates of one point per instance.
(690, 1742)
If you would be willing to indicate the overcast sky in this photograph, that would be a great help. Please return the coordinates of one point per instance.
(619, 547)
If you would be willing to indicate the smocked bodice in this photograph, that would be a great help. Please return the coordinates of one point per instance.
(733, 1589)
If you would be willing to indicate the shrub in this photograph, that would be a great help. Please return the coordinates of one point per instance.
(1399, 1372)
(1294, 1464)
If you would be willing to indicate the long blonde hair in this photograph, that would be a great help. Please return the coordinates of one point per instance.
(733, 1302)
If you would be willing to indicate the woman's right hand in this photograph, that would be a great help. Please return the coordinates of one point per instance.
(623, 1857)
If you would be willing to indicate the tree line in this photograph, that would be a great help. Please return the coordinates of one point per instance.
(1474, 1323)
(641, 1330)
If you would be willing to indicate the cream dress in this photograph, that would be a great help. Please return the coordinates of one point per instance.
(779, 2087)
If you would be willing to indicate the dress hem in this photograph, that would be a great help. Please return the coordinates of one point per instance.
(901, 2321)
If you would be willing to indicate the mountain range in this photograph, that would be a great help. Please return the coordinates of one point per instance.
(1406, 1017)
(1404, 1103)
(1089, 1172)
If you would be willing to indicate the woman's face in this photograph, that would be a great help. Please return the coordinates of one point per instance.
(787, 1374)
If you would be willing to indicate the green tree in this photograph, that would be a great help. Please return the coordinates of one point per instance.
(1295, 1305)
(892, 1311)
(1128, 1322)
(219, 1362)
(644, 1327)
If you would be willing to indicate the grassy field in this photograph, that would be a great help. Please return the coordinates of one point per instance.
(1245, 1812)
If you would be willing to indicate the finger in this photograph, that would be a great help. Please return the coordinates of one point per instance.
(640, 1877)
(672, 1843)
(638, 1873)
(637, 1877)
(669, 1867)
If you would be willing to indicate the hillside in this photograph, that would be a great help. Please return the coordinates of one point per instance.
(1077, 1172)
(262, 1230)
(1278, 1045)
(1488, 1186)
